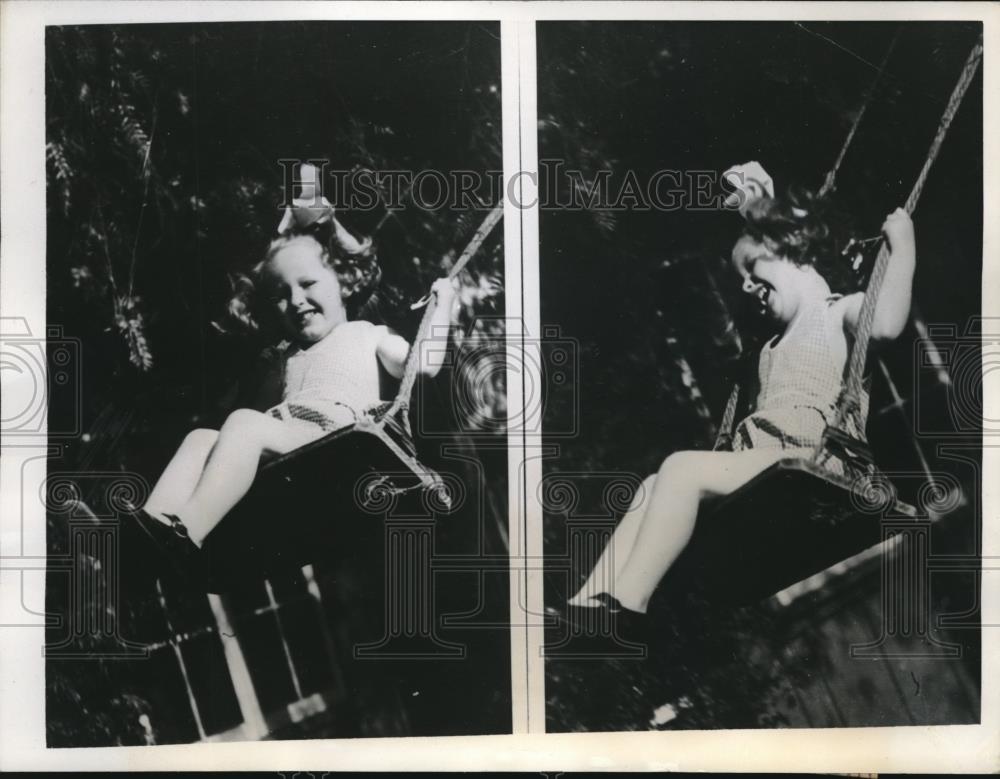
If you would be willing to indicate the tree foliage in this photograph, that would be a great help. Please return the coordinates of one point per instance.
(163, 145)
(648, 298)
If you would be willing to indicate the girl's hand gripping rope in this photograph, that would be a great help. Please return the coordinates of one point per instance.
(445, 290)
(892, 311)
(898, 229)
(434, 347)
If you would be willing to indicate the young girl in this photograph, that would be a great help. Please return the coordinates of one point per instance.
(315, 280)
(788, 259)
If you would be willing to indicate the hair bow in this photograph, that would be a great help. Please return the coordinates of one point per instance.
(310, 208)
(751, 182)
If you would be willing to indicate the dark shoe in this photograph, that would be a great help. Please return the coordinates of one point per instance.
(603, 631)
(630, 626)
(174, 544)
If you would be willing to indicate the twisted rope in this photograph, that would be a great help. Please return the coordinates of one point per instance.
(849, 404)
(725, 435)
(402, 402)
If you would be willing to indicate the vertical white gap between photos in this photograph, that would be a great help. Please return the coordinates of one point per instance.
(511, 95)
(523, 372)
(533, 370)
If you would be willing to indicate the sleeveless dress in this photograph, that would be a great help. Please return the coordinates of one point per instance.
(800, 378)
(333, 381)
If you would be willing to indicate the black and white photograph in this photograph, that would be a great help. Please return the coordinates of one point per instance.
(277, 482)
(532, 385)
(764, 247)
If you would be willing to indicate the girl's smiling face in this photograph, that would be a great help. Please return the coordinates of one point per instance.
(779, 284)
(305, 290)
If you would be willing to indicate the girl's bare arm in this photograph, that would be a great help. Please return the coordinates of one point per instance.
(393, 348)
(893, 308)
(392, 351)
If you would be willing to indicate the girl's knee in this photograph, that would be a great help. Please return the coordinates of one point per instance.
(686, 471)
(646, 488)
(243, 419)
(201, 437)
(246, 425)
(680, 464)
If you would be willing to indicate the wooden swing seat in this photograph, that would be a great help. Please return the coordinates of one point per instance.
(315, 502)
(790, 521)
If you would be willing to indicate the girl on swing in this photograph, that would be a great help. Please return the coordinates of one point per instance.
(315, 277)
(789, 260)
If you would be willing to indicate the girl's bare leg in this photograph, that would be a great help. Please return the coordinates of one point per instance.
(609, 566)
(245, 437)
(684, 480)
(182, 474)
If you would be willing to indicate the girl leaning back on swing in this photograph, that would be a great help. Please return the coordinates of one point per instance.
(789, 262)
(315, 277)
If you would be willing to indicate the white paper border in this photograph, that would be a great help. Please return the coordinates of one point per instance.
(22, 293)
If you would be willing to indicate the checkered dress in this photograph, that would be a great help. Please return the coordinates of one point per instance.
(800, 378)
(334, 380)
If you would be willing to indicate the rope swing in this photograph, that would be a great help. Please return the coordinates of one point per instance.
(849, 405)
(808, 514)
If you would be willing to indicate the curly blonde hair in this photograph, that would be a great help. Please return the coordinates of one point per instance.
(358, 274)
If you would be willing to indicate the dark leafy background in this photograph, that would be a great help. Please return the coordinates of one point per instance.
(652, 305)
(163, 144)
